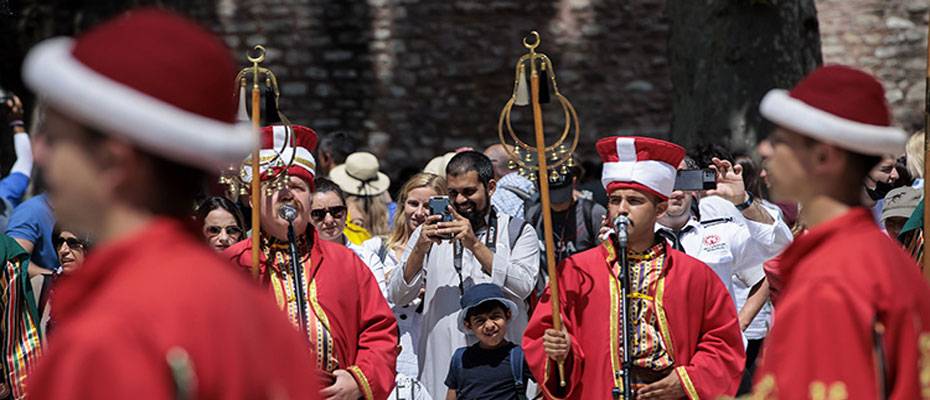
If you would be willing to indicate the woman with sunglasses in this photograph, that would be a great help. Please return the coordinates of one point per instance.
(328, 215)
(71, 251)
(412, 210)
(222, 222)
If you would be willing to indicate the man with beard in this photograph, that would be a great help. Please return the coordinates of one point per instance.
(479, 245)
(853, 316)
(154, 313)
(686, 342)
(352, 338)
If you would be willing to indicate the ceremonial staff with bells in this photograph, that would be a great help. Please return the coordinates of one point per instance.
(540, 161)
(276, 161)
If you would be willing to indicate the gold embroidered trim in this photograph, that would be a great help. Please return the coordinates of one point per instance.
(614, 334)
(663, 321)
(317, 309)
(821, 391)
(923, 343)
(686, 382)
(764, 389)
(362, 381)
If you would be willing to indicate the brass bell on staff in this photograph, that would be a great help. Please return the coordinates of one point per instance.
(524, 155)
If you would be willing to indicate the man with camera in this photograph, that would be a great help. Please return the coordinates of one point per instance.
(685, 339)
(733, 235)
(464, 243)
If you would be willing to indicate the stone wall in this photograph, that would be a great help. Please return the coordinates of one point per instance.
(421, 77)
(887, 38)
(415, 78)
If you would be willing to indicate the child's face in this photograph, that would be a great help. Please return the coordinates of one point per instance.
(489, 327)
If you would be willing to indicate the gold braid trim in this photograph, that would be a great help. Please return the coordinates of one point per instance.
(362, 381)
(686, 382)
(317, 309)
(614, 331)
(663, 321)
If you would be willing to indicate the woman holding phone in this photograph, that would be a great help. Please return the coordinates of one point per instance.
(413, 208)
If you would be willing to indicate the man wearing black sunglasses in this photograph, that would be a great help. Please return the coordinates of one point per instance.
(352, 337)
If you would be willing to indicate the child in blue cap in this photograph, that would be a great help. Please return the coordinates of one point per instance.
(494, 367)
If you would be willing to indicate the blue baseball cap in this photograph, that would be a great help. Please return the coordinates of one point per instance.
(480, 294)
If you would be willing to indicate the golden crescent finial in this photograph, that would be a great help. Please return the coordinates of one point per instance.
(535, 44)
(261, 54)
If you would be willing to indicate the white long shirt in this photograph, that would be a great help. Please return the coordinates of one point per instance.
(515, 270)
(408, 320)
(731, 245)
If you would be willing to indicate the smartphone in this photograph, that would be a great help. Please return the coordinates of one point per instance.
(439, 205)
(691, 180)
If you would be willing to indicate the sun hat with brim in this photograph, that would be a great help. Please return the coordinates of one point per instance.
(359, 175)
(483, 293)
(901, 202)
(151, 77)
(437, 165)
(838, 105)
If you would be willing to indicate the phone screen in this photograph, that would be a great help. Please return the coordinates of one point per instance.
(439, 205)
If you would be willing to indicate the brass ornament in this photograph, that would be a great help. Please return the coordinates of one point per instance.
(559, 153)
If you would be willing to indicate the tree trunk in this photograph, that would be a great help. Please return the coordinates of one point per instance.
(725, 55)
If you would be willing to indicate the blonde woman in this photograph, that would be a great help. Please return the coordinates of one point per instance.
(412, 210)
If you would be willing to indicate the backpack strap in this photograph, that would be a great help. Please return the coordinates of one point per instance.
(515, 229)
(516, 368)
(457, 364)
(383, 250)
(587, 210)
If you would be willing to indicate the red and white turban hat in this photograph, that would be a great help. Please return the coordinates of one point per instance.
(640, 163)
(838, 105)
(279, 149)
(151, 77)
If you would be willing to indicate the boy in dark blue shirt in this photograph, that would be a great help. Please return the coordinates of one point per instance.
(493, 368)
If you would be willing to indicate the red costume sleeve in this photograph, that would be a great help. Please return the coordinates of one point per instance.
(826, 351)
(86, 369)
(543, 368)
(717, 365)
(377, 341)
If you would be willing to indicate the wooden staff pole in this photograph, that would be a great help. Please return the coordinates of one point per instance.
(256, 177)
(544, 196)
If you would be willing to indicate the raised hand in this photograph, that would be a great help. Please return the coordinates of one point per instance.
(730, 184)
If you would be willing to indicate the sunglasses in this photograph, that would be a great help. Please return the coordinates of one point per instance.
(231, 230)
(338, 212)
(73, 243)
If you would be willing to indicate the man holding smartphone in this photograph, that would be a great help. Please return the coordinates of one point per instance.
(478, 245)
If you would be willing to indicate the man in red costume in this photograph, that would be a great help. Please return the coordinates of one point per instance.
(686, 338)
(351, 330)
(125, 149)
(853, 320)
